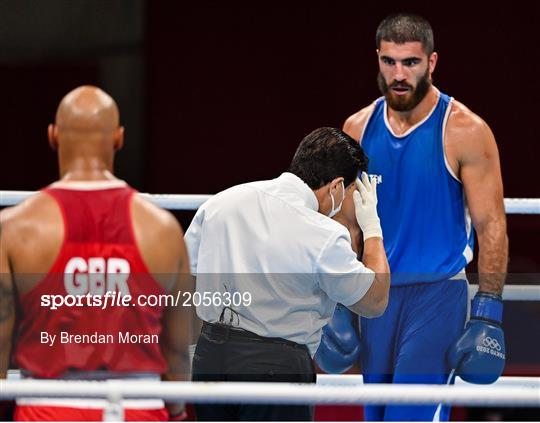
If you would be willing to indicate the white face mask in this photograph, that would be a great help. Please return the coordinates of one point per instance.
(336, 210)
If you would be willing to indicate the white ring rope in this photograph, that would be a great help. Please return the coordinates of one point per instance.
(277, 393)
(167, 201)
(522, 205)
(355, 380)
(515, 292)
(193, 201)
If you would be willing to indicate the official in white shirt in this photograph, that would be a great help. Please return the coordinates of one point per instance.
(271, 265)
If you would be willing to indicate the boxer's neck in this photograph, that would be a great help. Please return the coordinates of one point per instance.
(86, 169)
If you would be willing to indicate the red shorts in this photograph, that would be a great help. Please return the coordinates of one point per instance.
(55, 413)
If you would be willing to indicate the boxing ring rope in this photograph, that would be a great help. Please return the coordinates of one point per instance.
(276, 393)
(166, 201)
(515, 292)
(194, 201)
(330, 389)
(355, 380)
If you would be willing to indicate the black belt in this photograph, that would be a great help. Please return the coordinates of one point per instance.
(229, 332)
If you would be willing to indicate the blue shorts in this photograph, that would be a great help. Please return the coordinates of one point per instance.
(409, 342)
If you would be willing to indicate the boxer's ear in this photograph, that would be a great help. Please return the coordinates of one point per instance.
(52, 135)
(118, 138)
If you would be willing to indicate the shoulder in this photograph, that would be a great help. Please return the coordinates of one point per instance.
(466, 133)
(154, 218)
(32, 233)
(354, 125)
(159, 238)
(29, 216)
(228, 199)
(462, 118)
(329, 230)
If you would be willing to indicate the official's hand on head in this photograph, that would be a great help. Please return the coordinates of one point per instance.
(365, 204)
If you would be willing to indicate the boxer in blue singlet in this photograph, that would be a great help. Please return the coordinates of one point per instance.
(438, 174)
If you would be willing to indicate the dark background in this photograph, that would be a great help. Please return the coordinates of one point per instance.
(215, 93)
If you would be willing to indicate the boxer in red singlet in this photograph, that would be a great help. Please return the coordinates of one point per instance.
(89, 240)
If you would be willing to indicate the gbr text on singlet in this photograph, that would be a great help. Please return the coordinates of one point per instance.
(104, 282)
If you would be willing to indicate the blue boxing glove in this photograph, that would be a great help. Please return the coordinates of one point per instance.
(340, 345)
(479, 354)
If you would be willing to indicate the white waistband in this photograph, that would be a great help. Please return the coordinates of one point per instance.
(461, 275)
(91, 403)
(96, 403)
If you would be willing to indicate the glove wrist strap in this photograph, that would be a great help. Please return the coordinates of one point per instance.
(487, 306)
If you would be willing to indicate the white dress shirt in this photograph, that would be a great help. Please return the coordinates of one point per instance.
(267, 239)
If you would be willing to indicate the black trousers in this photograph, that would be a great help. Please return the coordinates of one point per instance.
(225, 354)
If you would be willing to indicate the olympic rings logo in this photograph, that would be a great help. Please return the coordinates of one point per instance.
(491, 343)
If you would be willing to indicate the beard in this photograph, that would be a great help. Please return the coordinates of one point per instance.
(406, 102)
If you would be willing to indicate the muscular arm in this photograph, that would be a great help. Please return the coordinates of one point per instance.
(7, 303)
(471, 145)
(177, 323)
(177, 319)
(160, 239)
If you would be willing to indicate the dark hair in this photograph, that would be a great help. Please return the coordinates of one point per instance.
(406, 27)
(326, 154)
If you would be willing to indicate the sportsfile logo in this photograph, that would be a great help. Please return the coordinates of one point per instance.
(491, 346)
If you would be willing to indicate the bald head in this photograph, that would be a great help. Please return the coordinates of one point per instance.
(89, 109)
(87, 131)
